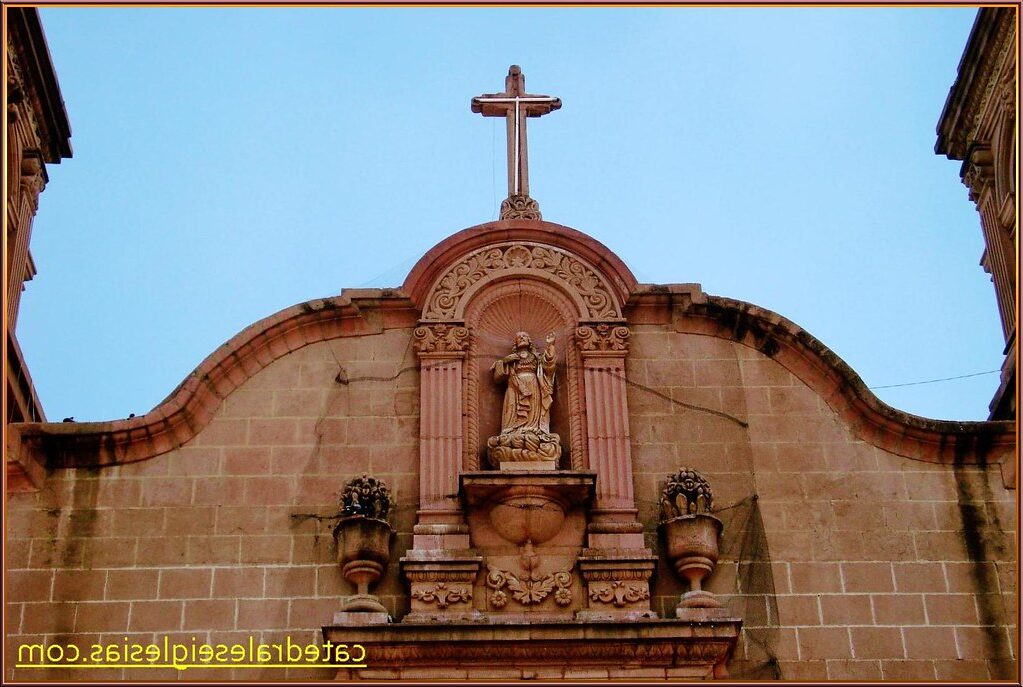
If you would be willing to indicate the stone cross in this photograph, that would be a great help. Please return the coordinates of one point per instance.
(515, 105)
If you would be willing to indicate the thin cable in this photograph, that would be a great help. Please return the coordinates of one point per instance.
(932, 381)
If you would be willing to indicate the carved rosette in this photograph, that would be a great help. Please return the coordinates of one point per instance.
(520, 207)
(440, 338)
(579, 278)
(602, 339)
(528, 591)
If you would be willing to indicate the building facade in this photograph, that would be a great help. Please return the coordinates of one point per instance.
(520, 463)
(38, 134)
(978, 126)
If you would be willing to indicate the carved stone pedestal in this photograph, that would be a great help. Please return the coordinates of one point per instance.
(617, 587)
(530, 525)
(441, 589)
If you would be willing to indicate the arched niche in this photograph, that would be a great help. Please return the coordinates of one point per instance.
(521, 302)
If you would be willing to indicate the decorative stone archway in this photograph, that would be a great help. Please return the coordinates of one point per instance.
(476, 290)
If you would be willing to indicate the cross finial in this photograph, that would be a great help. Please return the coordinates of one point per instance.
(515, 105)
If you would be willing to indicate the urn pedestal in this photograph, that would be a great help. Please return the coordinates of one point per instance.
(691, 542)
(363, 551)
(691, 535)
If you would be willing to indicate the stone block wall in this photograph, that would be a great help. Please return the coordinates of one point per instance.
(844, 561)
(230, 535)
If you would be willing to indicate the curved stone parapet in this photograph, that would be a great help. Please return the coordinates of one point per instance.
(817, 366)
(191, 406)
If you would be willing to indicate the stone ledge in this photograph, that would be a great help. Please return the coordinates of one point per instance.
(703, 646)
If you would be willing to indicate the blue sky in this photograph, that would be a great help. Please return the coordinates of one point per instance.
(230, 162)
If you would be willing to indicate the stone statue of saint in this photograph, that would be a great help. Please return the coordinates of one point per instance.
(526, 415)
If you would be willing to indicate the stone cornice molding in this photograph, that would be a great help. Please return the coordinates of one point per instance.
(989, 46)
(38, 80)
(191, 406)
(651, 643)
(445, 255)
(813, 363)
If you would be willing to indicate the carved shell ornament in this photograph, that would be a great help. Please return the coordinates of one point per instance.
(451, 288)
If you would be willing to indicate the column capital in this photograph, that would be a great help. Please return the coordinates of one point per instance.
(602, 339)
(440, 340)
(978, 172)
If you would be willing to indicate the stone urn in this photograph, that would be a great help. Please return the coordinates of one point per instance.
(690, 534)
(363, 538)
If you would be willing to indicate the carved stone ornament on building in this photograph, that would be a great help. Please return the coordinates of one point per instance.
(440, 338)
(443, 593)
(528, 591)
(618, 592)
(519, 258)
(520, 207)
(686, 492)
(602, 338)
(363, 536)
(526, 415)
(365, 496)
(691, 535)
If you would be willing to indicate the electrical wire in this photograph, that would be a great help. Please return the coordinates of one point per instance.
(932, 381)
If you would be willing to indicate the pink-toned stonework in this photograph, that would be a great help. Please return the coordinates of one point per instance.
(856, 541)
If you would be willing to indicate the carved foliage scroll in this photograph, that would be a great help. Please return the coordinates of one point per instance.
(443, 593)
(590, 286)
(441, 338)
(602, 338)
(619, 593)
(528, 591)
